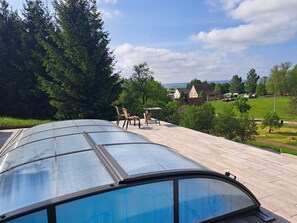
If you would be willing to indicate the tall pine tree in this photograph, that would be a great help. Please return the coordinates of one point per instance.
(251, 81)
(81, 81)
(11, 76)
(36, 22)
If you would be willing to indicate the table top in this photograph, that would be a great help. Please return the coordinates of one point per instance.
(152, 108)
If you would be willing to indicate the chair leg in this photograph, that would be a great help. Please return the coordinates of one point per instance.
(118, 121)
(127, 124)
(124, 123)
(139, 122)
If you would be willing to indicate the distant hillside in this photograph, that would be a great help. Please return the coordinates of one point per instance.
(184, 84)
(175, 85)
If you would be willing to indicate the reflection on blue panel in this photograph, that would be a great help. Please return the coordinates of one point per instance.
(150, 203)
(26, 185)
(202, 199)
(37, 217)
(27, 153)
(84, 170)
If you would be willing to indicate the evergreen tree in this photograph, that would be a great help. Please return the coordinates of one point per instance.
(251, 81)
(36, 22)
(236, 85)
(81, 82)
(11, 76)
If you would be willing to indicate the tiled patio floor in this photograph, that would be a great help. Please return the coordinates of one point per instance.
(270, 176)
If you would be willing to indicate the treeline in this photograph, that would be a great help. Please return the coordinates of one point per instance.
(282, 80)
(236, 84)
(56, 65)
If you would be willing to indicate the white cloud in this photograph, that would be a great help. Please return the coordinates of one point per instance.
(107, 1)
(263, 22)
(169, 66)
(109, 14)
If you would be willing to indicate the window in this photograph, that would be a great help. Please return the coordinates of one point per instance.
(145, 203)
(201, 199)
(37, 217)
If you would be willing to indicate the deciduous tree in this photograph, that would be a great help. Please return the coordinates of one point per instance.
(277, 82)
(202, 95)
(193, 82)
(272, 120)
(141, 90)
(227, 123)
(198, 118)
(140, 78)
(241, 105)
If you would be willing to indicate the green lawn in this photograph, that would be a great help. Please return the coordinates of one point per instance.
(261, 106)
(286, 134)
(7, 122)
(272, 147)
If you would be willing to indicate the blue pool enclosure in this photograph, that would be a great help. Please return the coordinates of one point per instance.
(92, 171)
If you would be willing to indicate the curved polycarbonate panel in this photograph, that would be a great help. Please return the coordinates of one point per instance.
(43, 149)
(27, 185)
(201, 199)
(27, 153)
(101, 138)
(84, 170)
(53, 133)
(146, 203)
(64, 127)
(98, 122)
(63, 124)
(102, 128)
(35, 137)
(147, 158)
(37, 217)
(47, 179)
(71, 143)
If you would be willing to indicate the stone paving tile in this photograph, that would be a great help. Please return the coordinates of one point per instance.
(272, 177)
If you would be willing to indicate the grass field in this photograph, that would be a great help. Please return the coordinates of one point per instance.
(271, 147)
(286, 134)
(7, 122)
(261, 106)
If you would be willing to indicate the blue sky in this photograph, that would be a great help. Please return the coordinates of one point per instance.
(203, 39)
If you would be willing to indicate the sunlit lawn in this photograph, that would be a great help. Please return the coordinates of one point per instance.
(286, 134)
(261, 106)
(272, 147)
(7, 122)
